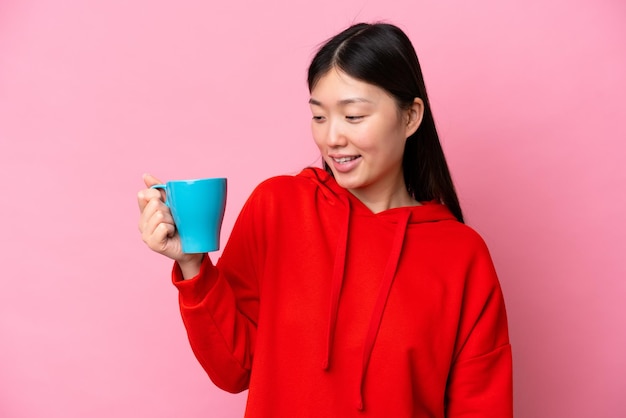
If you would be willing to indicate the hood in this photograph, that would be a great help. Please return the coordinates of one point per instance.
(402, 217)
(431, 211)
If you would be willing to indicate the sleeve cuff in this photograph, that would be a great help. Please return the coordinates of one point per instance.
(193, 291)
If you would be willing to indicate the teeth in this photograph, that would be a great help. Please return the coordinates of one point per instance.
(345, 159)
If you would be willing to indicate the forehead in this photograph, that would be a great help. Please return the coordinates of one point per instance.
(336, 85)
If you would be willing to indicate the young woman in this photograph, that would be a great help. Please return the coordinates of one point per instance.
(355, 290)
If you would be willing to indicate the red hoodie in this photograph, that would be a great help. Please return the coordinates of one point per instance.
(322, 308)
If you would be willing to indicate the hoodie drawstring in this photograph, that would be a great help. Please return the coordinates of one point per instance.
(337, 283)
(383, 293)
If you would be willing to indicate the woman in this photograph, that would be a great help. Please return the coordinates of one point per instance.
(355, 290)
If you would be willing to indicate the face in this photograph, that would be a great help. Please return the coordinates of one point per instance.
(361, 132)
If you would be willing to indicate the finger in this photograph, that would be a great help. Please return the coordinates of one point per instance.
(158, 240)
(154, 212)
(165, 230)
(144, 196)
(160, 237)
(150, 180)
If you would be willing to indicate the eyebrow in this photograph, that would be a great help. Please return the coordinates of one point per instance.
(343, 102)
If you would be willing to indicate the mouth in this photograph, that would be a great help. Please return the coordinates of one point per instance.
(345, 160)
(344, 163)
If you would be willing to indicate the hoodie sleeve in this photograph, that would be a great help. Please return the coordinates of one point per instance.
(219, 306)
(480, 381)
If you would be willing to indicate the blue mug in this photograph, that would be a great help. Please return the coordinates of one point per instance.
(197, 207)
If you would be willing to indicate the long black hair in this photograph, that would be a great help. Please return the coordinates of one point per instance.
(381, 54)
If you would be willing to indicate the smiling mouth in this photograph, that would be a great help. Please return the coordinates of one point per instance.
(343, 160)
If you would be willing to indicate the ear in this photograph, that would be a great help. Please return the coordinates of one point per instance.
(414, 115)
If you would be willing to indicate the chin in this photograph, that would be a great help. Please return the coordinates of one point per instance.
(352, 180)
(348, 183)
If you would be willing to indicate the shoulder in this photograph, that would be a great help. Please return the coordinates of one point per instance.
(460, 245)
(285, 193)
(468, 237)
(479, 265)
(455, 235)
(287, 201)
(291, 186)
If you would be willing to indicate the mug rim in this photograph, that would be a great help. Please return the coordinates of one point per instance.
(197, 180)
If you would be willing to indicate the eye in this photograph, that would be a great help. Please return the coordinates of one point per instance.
(318, 119)
(354, 118)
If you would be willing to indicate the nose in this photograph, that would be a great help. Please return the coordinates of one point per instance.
(336, 135)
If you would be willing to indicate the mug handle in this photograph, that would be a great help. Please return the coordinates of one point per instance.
(163, 187)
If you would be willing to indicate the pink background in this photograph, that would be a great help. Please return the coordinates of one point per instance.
(529, 100)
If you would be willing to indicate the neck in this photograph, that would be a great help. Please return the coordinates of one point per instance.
(379, 198)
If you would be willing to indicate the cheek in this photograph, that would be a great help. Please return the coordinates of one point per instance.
(375, 138)
(388, 143)
(318, 134)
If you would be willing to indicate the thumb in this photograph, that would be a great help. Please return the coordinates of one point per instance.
(150, 180)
